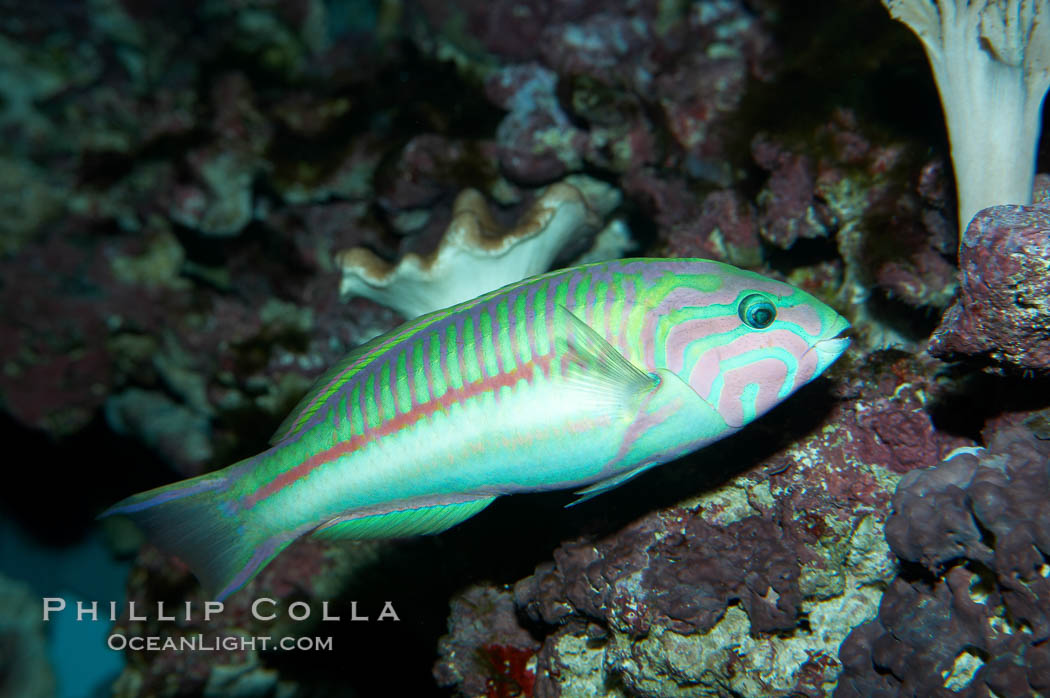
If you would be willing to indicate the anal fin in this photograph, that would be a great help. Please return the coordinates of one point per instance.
(397, 523)
(603, 486)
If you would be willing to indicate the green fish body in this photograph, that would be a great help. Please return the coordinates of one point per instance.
(579, 378)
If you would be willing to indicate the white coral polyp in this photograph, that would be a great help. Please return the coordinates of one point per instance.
(474, 257)
(991, 62)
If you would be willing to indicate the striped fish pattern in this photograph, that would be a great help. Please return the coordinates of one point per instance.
(579, 378)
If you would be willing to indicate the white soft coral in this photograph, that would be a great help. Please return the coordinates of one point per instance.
(991, 62)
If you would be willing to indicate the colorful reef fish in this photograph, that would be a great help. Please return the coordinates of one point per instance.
(579, 378)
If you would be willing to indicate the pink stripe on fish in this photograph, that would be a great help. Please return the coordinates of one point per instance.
(649, 327)
(428, 375)
(377, 390)
(641, 424)
(410, 375)
(461, 349)
(443, 350)
(393, 383)
(362, 404)
(479, 349)
(684, 297)
(530, 319)
(628, 304)
(494, 338)
(393, 340)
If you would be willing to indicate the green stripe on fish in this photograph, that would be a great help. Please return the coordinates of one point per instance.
(580, 379)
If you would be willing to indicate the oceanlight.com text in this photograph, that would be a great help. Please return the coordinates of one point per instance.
(212, 643)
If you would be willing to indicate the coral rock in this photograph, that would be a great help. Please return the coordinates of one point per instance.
(788, 209)
(976, 622)
(1002, 314)
(486, 652)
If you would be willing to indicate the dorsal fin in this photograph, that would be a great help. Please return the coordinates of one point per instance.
(343, 370)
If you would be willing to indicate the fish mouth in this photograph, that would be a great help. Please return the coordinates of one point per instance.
(831, 348)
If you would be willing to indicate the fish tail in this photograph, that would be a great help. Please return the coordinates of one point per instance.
(199, 521)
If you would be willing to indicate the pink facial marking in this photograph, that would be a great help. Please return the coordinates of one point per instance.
(684, 333)
(708, 365)
(705, 371)
(769, 374)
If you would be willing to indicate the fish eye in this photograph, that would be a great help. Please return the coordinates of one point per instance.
(757, 312)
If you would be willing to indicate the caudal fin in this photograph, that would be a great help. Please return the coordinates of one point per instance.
(198, 521)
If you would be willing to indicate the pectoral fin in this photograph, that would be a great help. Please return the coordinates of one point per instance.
(588, 363)
(673, 420)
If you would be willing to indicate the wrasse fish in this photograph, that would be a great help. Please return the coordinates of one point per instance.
(579, 378)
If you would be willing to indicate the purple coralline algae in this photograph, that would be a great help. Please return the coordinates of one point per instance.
(889, 223)
(788, 208)
(972, 615)
(1002, 313)
(217, 196)
(69, 298)
(721, 226)
(582, 90)
(537, 141)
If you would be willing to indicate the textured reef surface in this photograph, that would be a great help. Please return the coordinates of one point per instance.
(204, 204)
(968, 611)
(1003, 309)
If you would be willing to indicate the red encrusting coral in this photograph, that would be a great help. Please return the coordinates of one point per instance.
(512, 677)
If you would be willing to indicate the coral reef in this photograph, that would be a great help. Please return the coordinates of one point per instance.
(888, 221)
(179, 183)
(972, 615)
(1003, 310)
